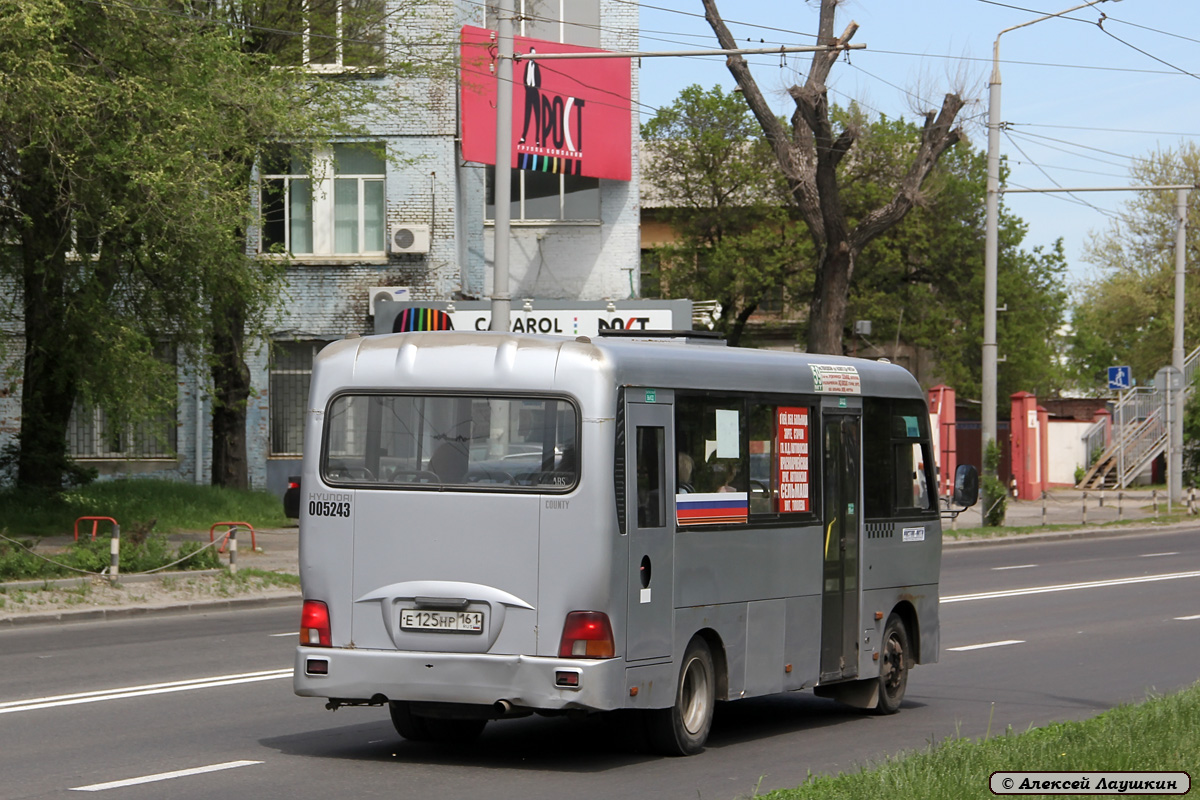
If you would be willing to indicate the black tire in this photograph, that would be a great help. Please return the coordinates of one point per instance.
(454, 731)
(416, 728)
(894, 659)
(407, 724)
(682, 729)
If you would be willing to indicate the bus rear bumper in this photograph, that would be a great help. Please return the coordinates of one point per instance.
(531, 682)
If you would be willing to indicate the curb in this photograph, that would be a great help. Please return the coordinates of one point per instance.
(82, 580)
(125, 612)
(1107, 532)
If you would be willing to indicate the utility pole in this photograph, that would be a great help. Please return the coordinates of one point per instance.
(502, 183)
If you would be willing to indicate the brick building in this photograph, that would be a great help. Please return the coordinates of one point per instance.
(399, 208)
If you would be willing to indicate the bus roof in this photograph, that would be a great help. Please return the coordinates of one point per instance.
(456, 359)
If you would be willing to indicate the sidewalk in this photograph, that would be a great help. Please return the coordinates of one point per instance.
(87, 598)
(1075, 507)
(277, 550)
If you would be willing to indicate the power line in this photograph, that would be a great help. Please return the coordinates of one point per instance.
(1151, 56)
(1100, 130)
(1039, 168)
(1043, 139)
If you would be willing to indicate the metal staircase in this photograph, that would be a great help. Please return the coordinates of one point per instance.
(1139, 434)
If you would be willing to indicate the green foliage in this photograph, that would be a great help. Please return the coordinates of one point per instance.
(162, 505)
(1125, 314)
(1162, 733)
(137, 554)
(1191, 439)
(715, 184)
(995, 495)
(127, 141)
(921, 281)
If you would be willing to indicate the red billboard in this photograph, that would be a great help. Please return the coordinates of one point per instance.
(570, 116)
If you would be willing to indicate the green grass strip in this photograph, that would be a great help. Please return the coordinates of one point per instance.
(133, 502)
(1161, 734)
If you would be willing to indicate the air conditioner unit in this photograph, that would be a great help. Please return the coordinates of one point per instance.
(386, 294)
(408, 238)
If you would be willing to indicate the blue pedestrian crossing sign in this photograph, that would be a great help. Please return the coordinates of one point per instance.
(1120, 378)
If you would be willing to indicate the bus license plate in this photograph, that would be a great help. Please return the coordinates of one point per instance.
(417, 619)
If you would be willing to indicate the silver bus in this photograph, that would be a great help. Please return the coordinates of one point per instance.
(494, 525)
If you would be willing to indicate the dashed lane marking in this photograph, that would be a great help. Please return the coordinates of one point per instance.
(1069, 587)
(163, 776)
(967, 647)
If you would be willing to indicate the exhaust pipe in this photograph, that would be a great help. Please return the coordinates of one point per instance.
(503, 707)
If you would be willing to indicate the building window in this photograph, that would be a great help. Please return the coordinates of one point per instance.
(93, 433)
(566, 21)
(329, 202)
(324, 35)
(291, 374)
(546, 196)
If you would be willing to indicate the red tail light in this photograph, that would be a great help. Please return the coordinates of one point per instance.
(314, 624)
(293, 484)
(587, 634)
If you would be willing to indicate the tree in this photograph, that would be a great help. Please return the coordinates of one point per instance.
(923, 278)
(126, 136)
(808, 157)
(713, 184)
(1125, 314)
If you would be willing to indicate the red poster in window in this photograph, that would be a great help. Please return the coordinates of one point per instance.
(791, 468)
(570, 116)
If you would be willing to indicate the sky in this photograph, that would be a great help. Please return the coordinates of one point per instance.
(1080, 101)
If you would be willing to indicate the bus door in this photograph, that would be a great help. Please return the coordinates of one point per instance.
(649, 522)
(841, 449)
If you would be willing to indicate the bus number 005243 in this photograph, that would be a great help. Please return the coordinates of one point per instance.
(325, 508)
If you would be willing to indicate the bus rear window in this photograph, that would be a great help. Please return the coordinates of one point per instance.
(433, 441)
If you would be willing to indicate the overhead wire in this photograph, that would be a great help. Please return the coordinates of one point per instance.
(1048, 177)
(645, 108)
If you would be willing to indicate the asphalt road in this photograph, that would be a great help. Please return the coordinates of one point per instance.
(1031, 632)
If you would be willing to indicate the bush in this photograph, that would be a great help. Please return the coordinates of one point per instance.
(138, 554)
(995, 496)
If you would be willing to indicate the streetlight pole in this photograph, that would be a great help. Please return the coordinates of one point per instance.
(992, 234)
(502, 184)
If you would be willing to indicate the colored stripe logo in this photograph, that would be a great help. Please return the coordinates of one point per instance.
(708, 508)
(422, 319)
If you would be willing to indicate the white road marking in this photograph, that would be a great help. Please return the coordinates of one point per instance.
(163, 776)
(289, 633)
(1018, 566)
(965, 648)
(1069, 587)
(1188, 619)
(1157, 555)
(36, 703)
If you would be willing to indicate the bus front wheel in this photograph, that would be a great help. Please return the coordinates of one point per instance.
(893, 666)
(682, 729)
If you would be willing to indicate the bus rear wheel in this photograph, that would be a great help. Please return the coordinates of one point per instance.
(682, 729)
(407, 724)
(893, 666)
(416, 728)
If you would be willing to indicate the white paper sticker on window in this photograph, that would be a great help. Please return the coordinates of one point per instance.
(728, 432)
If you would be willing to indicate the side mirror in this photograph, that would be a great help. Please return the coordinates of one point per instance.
(966, 485)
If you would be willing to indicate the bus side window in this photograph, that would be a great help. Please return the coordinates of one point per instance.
(651, 501)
